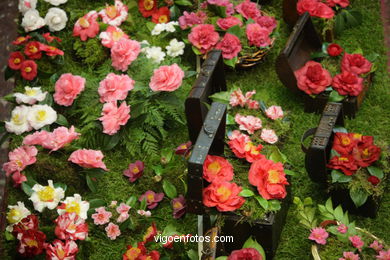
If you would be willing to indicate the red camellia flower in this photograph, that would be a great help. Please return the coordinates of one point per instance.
(87, 26)
(147, 7)
(15, 60)
(50, 38)
(355, 63)
(334, 49)
(269, 177)
(342, 3)
(374, 180)
(71, 226)
(348, 83)
(365, 153)
(179, 206)
(59, 250)
(223, 195)
(31, 243)
(313, 78)
(258, 35)
(152, 198)
(184, 149)
(343, 143)
(134, 171)
(315, 8)
(252, 152)
(237, 145)
(217, 168)
(345, 163)
(139, 252)
(21, 40)
(29, 69)
(32, 50)
(51, 50)
(230, 46)
(204, 37)
(162, 15)
(245, 254)
(28, 223)
(151, 232)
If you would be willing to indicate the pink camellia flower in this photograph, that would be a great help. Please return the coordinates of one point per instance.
(248, 123)
(204, 37)
(67, 88)
(71, 226)
(184, 149)
(319, 235)
(123, 211)
(253, 104)
(355, 63)
(342, 3)
(383, 255)
(248, 9)
(230, 46)
(376, 246)
(237, 98)
(37, 138)
(224, 3)
(179, 206)
(357, 242)
(59, 250)
(245, 253)
(146, 213)
(167, 78)
(190, 19)
(113, 204)
(112, 231)
(226, 23)
(115, 87)
(19, 159)
(111, 36)
(152, 198)
(269, 136)
(312, 78)
(237, 134)
(114, 14)
(101, 216)
(87, 26)
(258, 35)
(274, 112)
(349, 256)
(113, 117)
(134, 171)
(267, 22)
(88, 158)
(348, 83)
(342, 229)
(124, 52)
(18, 178)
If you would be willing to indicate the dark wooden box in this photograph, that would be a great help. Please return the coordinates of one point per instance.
(290, 13)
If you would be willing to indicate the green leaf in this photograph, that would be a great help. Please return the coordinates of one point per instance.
(110, 142)
(317, 55)
(222, 97)
(183, 2)
(289, 172)
(335, 96)
(338, 176)
(158, 169)
(47, 101)
(61, 120)
(340, 129)
(235, 30)
(324, 47)
(263, 202)
(218, 10)
(196, 51)
(263, 107)
(143, 204)
(8, 236)
(230, 120)
(27, 189)
(274, 205)
(221, 258)
(338, 213)
(150, 26)
(277, 155)
(96, 203)
(94, 173)
(192, 254)
(90, 183)
(329, 205)
(352, 18)
(60, 185)
(358, 196)
(231, 62)
(8, 73)
(166, 155)
(375, 171)
(54, 78)
(10, 98)
(251, 243)
(358, 51)
(169, 189)
(132, 201)
(339, 23)
(372, 57)
(308, 201)
(246, 193)
(174, 12)
(190, 73)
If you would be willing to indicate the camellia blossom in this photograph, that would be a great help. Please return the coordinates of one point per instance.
(101, 216)
(112, 35)
(15, 60)
(269, 136)
(238, 99)
(49, 38)
(56, 19)
(150, 233)
(179, 206)
(258, 35)
(167, 78)
(25, 5)
(376, 246)
(267, 22)
(373, 180)
(50, 51)
(134, 171)
(112, 231)
(19, 159)
(248, 9)
(124, 52)
(114, 14)
(152, 198)
(357, 242)
(147, 7)
(154, 53)
(88, 158)
(319, 235)
(32, 21)
(30, 95)
(355, 63)
(217, 168)
(315, 8)
(41, 115)
(140, 252)
(245, 253)
(67, 88)
(29, 222)
(21, 40)
(223, 195)
(32, 50)
(18, 123)
(66, 250)
(28, 69)
(334, 49)
(342, 229)
(15, 214)
(87, 26)
(31, 243)
(46, 196)
(123, 211)
(383, 255)
(230, 46)
(71, 226)
(204, 37)
(115, 87)
(348, 83)
(349, 256)
(56, 2)
(175, 48)
(188, 20)
(274, 112)
(312, 78)
(74, 204)
(162, 15)
(113, 117)
(341, 3)
(223, 3)
(184, 149)
(226, 23)
(238, 142)
(248, 123)
(252, 152)
(146, 213)
(345, 163)
(18, 178)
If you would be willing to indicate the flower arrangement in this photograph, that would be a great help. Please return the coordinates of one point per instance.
(161, 11)
(334, 235)
(238, 29)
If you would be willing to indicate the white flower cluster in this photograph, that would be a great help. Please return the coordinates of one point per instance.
(157, 55)
(55, 18)
(164, 27)
(25, 118)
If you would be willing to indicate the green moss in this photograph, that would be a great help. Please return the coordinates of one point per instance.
(91, 52)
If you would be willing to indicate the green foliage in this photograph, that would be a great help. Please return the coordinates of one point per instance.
(91, 52)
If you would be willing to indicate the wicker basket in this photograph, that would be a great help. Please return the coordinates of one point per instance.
(248, 61)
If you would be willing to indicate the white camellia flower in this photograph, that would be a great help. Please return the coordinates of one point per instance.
(30, 95)
(155, 54)
(175, 48)
(15, 214)
(158, 28)
(56, 2)
(74, 204)
(170, 27)
(19, 123)
(56, 19)
(46, 196)
(32, 21)
(25, 5)
(41, 115)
